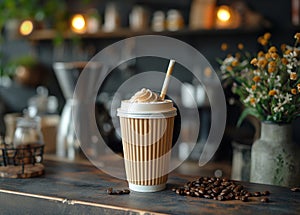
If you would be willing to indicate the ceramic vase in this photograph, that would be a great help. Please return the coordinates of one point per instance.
(275, 158)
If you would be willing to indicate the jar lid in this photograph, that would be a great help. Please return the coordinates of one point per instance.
(30, 122)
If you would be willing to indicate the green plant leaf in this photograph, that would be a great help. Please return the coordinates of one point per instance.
(246, 112)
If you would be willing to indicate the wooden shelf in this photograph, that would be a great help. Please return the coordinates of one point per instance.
(49, 34)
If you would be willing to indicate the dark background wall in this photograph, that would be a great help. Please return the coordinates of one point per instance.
(278, 13)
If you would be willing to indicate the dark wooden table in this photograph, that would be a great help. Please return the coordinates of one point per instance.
(69, 188)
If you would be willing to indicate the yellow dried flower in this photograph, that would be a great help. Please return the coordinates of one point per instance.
(284, 61)
(229, 68)
(288, 51)
(224, 46)
(252, 101)
(240, 46)
(293, 76)
(267, 56)
(234, 63)
(272, 49)
(262, 41)
(267, 36)
(272, 92)
(256, 78)
(283, 47)
(297, 36)
(238, 55)
(297, 51)
(298, 87)
(260, 54)
(254, 61)
(262, 63)
(272, 66)
(294, 91)
(253, 87)
(274, 55)
(271, 69)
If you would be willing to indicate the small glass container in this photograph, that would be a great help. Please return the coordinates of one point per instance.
(175, 20)
(28, 138)
(158, 21)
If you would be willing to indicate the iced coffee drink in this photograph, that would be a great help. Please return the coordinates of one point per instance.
(147, 123)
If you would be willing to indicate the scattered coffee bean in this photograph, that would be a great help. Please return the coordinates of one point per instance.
(197, 194)
(126, 191)
(207, 196)
(248, 194)
(111, 191)
(216, 190)
(265, 193)
(295, 189)
(265, 199)
(257, 194)
(244, 198)
(220, 198)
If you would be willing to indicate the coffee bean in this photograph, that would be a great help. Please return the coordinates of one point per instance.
(231, 195)
(216, 190)
(265, 199)
(202, 191)
(244, 198)
(248, 194)
(257, 194)
(243, 192)
(265, 193)
(225, 179)
(217, 183)
(226, 184)
(224, 192)
(197, 194)
(220, 198)
(109, 191)
(119, 192)
(126, 191)
(295, 189)
(238, 188)
(207, 196)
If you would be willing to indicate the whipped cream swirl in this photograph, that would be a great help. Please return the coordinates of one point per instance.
(145, 95)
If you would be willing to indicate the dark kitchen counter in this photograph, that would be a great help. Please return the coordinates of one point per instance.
(69, 188)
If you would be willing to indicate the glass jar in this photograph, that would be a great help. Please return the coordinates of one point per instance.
(28, 140)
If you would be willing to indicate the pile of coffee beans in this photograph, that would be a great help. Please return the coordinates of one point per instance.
(111, 191)
(218, 189)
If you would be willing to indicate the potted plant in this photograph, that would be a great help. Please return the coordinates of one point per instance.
(268, 86)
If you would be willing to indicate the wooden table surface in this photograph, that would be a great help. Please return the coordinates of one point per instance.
(69, 188)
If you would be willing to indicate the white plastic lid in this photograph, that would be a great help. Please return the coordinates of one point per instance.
(147, 110)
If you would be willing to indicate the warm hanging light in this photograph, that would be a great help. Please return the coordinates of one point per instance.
(78, 23)
(224, 13)
(226, 17)
(26, 27)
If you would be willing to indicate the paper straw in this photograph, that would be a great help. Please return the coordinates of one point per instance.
(167, 79)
